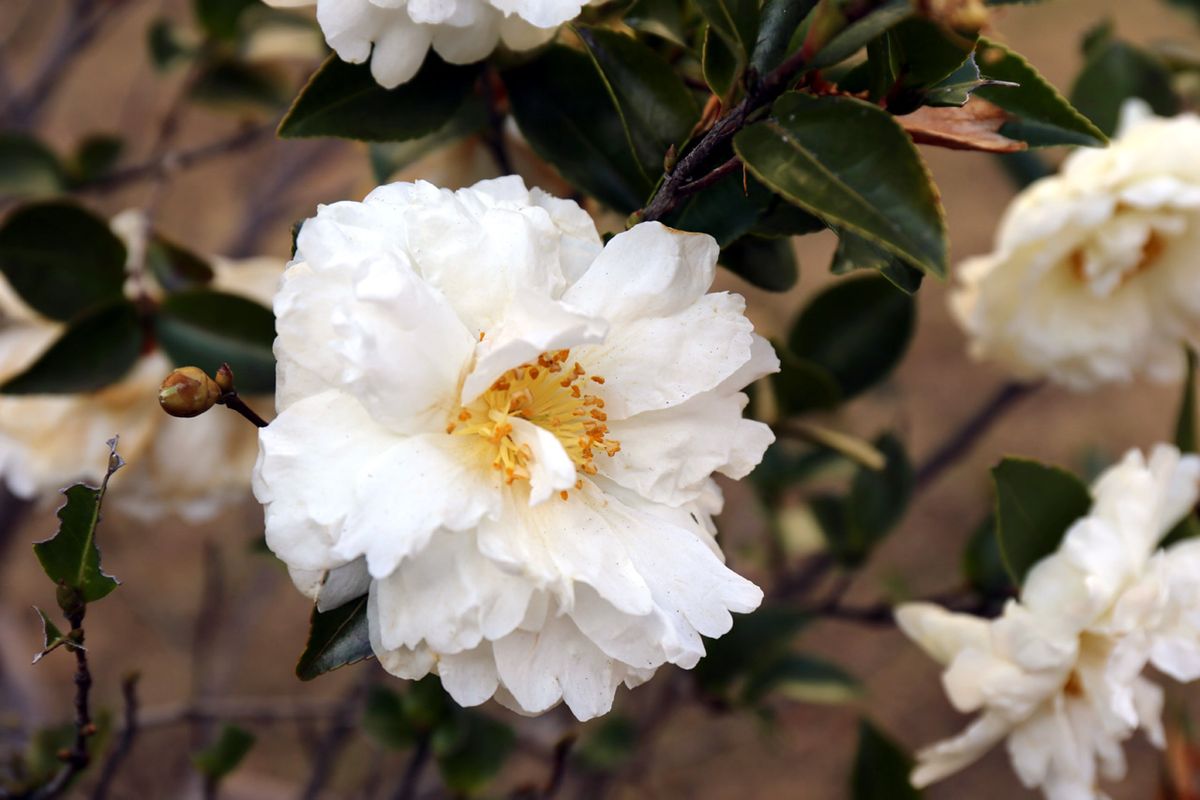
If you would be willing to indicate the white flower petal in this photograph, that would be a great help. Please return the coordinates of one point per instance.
(551, 469)
(941, 633)
(946, 758)
(470, 677)
(399, 50)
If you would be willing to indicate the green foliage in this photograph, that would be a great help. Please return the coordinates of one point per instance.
(754, 644)
(61, 259)
(335, 638)
(802, 385)
(1185, 420)
(857, 330)
(52, 637)
(27, 167)
(872, 184)
(71, 557)
(165, 45)
(565, 110)
(1043, 116)
(205, 328)
(607, 744)
(225, 754)
(881, 768)
(1035, 505)
(388, 158)
(662, 18)
(95, 157)
(779, 21)
(96, 350)
(768, 263)
(1116, 71)
(219, 18)
(983, 563)
(854, 252)
(857, 34)
(174, 267)
(655, 108)
(343, 100)
(801, 678)
(236, 85)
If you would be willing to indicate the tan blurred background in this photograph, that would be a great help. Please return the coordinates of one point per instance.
(258, 621)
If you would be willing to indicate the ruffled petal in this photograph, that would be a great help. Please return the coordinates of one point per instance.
(946, 758)
(400, 50)
(470, 677)
(940, 633)
(551, 469)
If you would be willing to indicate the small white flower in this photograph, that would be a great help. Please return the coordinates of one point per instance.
(1058, 674)
(506, 432)
(1094, 277)
(396, 34)
(191, 467)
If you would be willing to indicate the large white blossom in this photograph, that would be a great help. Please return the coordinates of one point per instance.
(396, 34)
(1095, 276)
(505, 432)
(48, 441)
(1059, 674)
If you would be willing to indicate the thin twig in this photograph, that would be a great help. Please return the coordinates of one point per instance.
(412, 771)
(965, 437)
(233, 402)
(330, 747)
(558, 770)
(77, 758)
(125, 743)
(250, 710)
(879, 614)
(703, 182)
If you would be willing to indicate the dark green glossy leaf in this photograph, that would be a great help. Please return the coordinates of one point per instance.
(235, 85)
(1044, 117)
(335, 638)
(386, 721)
(779, 21)
(52, 637)
(225, 754)
(96, 156)
(662, 18)
(1115, 72)
(342, 99)
(565, 111)
(767, 263)
(205, 328)
(879, 498)
(655, 107)
(802, 678)
(721, 64)
(854, 252)
(388, 158)
(983, 563)
(881, 768)
(873, 184)
(71, 558)
(219, 18)
(857, 329)
(27, 167)
(1035, 505)
(61, 259)
(802, 385)
(856, 35)
(470, 749)
(755, 639)
(726, 211)
(174, 267)
(95, 351)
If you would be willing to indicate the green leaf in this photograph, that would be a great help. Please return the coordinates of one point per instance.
(1044, 117)
(879, 498)
(1185, 420)
(662, 18)
(96, 156)
(881, 768)
(1035, 505)
(856, 35)
(802, 385)
(857, 329)
(27, 167)
(225, 754)
(802, 678)
(52, 637)
(720, 63)
(983, 563)
(854, 252)
(1115, 72)
(607, 744)
(873, 183)
(219, 18)
(71, 558)
(175, 267)
(61, 259)
(730, 38)
(335, 638)
(755, 640)
(204, 328)
(342, 99)
(768, 263)
(385, 719)
(726, 211)
(565, 111)
(95, 351)
(655, 107)
(239, 86)
(779, 21)
(166, 45)
(470, 749)
(388, 158)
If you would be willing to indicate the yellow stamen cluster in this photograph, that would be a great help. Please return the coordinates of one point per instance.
(550, 393)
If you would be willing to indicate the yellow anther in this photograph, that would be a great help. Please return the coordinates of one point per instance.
(598, 379)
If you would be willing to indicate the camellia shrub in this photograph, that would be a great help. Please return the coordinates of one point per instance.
(491, 409)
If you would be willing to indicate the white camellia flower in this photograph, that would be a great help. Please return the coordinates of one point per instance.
(48, 441)
(1094, 276)
(506, 432)
(396, 34)
(1058, 674)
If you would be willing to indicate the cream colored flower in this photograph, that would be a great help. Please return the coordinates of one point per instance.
(1059, 674)
(1096, 272)
(396, 34)
(506, 432)
(48, 441)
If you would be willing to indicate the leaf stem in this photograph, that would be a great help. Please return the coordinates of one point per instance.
(234, 402)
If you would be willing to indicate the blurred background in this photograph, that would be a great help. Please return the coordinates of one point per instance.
(211, 621)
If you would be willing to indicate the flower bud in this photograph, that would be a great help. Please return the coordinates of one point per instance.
(224, 378)
(188, 392)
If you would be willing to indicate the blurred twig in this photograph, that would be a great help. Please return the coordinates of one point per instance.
(341, 728)
(77, 757)
(412, 771)
(264, 710)
(124, 744)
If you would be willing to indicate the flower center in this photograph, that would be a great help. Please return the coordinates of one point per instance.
(551, 393)
(1104, 273)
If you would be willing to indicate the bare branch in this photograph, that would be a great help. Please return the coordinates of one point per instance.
(125, 743)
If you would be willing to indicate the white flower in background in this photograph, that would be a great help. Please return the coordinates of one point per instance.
(1058, 674)
(396, 34)
(505, 432)
(48, 441)
(1096, 272)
